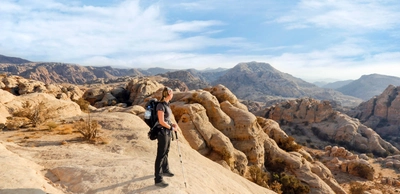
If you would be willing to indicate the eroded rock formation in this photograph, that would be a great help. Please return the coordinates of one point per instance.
(328, 124)
(219, 127)
(382, 113)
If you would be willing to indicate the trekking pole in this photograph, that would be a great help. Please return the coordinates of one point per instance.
(180, 157)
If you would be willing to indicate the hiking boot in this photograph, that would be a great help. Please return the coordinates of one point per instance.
(168, 174)
(162, 184)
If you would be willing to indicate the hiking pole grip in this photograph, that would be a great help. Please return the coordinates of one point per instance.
(176, 134)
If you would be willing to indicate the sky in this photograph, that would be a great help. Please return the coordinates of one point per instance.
(315, 40)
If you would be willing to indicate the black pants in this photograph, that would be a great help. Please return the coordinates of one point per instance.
(161, 164)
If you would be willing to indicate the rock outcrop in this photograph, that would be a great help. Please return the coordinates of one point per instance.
(382, 113)
(327, 124)
(18, 85)
(218, 126)
(345, 161)
(390, 162)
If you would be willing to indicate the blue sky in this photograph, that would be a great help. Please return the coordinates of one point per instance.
(309, 39)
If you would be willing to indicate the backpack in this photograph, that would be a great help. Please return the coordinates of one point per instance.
(151, 119)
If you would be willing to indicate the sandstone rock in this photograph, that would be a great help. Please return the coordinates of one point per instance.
(30, 86)
(381, 112)
(58, 108)
(389, 164)
(11, 84)
(200, 113)
(94, 95)
(329, 124)
(364, 156)
(20, 175)
(272, 129)
(139, 89)
(5, 96)
(107, 100)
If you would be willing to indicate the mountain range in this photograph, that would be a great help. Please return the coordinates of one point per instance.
(249, 81)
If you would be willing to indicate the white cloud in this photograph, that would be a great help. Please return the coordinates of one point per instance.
(350, 15)
(64, 32)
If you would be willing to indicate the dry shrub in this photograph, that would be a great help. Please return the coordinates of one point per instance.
(289, 145)
(15, 123)
(37, 113)
(357, 188)
(89, 128)
(277, 187)
(364, 171)
(52, 125)
(258, 176)
(83, 104)
(102, 140)
(276, 165)
(65, 129)
(290, 184)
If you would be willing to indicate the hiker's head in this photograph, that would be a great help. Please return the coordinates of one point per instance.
(167, 94)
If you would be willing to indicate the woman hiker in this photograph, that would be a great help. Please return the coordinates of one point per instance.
(164, 113)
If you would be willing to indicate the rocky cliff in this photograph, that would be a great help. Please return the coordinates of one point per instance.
(317, 118)
(382, 113)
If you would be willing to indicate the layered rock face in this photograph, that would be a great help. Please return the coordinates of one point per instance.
(382, 113)
(328, 124)
(218, 126)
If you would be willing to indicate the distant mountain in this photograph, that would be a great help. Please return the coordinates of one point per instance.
(320, 83)
(209, 70)
(193, 82)
(368, 86)
(66, 73)
(209, 75)
(336, 85)
(256, 81)
(156, 70)
(12, 60)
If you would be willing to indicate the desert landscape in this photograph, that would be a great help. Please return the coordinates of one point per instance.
(69, 138)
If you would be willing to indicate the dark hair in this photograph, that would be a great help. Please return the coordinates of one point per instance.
(165, 93)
